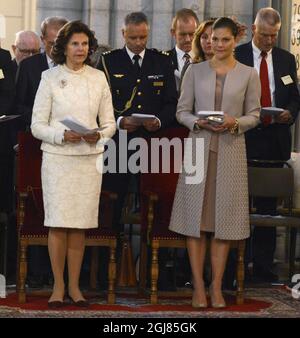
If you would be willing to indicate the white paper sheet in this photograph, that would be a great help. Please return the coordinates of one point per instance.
(143, 117)
(205, 113)
(73, 124)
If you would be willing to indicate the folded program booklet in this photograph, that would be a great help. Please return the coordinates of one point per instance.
(4, 118)
(203, 114)
(274, 111)
(143, 117)
(268, 114)
(213, 117)
(77, 126)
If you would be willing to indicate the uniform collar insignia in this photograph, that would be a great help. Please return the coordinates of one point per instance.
(155, 77)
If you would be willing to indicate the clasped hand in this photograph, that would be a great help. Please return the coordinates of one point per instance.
(73, 137)
(228, 123)
(131, 124)
(284, 118)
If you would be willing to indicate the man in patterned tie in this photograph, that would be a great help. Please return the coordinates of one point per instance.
(183, 28)
(270, 141)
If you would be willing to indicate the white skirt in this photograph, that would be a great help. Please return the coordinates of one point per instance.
(71, 190)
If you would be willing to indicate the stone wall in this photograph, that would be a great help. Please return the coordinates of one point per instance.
(106, 17)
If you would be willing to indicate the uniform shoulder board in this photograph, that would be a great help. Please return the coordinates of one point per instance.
(110, 52)
(162, 52)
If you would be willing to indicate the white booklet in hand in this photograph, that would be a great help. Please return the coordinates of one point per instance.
(274, 111)
(4, 118)
(143, 117)
(213, 117)
(269, 114)
(78, 127)
(203, 114)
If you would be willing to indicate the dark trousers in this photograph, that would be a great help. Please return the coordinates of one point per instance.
(264, 238)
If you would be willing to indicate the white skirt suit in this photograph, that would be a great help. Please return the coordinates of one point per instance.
(70, 180)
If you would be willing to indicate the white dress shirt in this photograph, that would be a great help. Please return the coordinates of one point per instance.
(180, 58)
(257, 61)
(131, 55)
(50, 62)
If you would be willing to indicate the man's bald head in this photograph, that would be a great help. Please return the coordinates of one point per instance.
(27, 43)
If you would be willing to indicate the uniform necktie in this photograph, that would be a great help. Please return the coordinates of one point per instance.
(136, 63)
(265, 87)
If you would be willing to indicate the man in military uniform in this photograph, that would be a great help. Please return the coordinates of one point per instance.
(142, 81)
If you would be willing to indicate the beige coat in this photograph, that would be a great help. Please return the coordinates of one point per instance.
(241, 99)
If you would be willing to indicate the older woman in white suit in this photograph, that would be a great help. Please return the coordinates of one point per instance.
(70, 180)
(219, 204)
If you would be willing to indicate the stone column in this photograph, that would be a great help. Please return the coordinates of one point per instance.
(197, 6)
(214, 8)
(161, 24)
(243, 10)
(96, 14)
(120, 10)
(257, 4)
(71, 9)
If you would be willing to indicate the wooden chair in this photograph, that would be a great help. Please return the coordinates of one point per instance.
(30, 216)
(279, 183)
(158, 190)
(130, 216)
(3, 242)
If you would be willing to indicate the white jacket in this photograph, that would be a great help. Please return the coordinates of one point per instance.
(83, 94)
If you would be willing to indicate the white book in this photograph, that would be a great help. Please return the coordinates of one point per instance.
(4, 118)
(202, 114)
(274, 111)
(73, 124)
(143, 117)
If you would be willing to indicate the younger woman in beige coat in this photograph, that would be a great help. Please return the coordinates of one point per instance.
(219, 204)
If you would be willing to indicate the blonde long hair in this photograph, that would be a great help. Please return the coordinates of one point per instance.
(196, 44)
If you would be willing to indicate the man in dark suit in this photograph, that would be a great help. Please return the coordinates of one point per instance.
(6, 81)
(277, 69)
(28, 79)
(6, 151)
(183, 28)
(27, 43)
(30, 70)
(142, 81)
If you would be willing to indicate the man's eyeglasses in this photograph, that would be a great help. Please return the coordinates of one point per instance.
(28, 51)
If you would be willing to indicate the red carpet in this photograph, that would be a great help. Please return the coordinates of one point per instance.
(134, 303)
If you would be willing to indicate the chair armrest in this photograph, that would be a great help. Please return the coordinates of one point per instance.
(21, 209)
(285, 211)
(107, 207)
(152, 198)
(108, 194)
